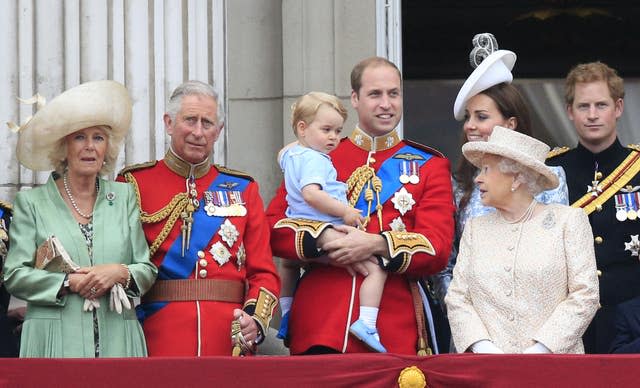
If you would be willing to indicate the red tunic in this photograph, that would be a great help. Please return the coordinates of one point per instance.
(180, 328)
(326, 300)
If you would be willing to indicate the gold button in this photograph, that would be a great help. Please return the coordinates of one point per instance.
(598, 240)
(599, 273)
(598, 208)
(203, 273)
(203, 262)
(201, 254)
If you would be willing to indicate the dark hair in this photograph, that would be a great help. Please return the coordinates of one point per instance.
(360, 67)
(510, 103)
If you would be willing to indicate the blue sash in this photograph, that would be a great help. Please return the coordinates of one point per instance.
(174, 266)
(389, 174)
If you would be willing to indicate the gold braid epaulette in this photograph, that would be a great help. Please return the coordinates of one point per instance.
(171, 212)
(635, 147)
(6, 205)
(229, 171)
(556, 151)
(139, 166)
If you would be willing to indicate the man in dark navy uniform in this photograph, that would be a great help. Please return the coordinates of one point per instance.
(603, 178)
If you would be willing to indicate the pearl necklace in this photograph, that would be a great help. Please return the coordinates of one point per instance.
(525, 216)
(72, 200)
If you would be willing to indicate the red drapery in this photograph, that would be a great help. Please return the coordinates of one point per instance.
(361, 370)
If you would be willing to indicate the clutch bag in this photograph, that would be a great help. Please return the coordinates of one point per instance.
(52, 256)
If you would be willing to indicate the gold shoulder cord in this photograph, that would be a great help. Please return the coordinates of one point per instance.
(365, 175)
(171, 212)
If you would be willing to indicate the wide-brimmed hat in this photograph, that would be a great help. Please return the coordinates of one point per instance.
(87, 105)
(494, 69)
(523, 149)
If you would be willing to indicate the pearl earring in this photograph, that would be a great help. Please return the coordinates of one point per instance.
(513, 189)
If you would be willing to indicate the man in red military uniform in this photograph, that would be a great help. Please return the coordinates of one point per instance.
(405, 189)
(207, 234)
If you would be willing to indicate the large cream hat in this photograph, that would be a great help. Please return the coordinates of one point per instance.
(492, 69)
(516, 146)
(86, 105)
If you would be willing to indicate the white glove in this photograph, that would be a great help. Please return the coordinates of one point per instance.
(91, 304)
(537, 348)
(486, 346)
(119, 299)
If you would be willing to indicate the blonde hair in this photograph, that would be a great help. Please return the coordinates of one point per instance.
(58, 154)
(306, 107)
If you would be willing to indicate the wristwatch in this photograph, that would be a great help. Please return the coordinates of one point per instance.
(66, 284)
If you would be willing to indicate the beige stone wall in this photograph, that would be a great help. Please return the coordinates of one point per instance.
(277, 51)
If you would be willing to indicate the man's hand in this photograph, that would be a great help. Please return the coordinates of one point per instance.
(248, 326)
(331, 234)
(354, 246)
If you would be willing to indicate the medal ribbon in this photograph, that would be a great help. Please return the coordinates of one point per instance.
(388, 174)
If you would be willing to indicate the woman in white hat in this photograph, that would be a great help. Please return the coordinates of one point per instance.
(525, 279)
(487, 98)
(96, 222)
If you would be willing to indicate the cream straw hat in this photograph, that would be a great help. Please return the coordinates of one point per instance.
(523, 149)
(86, 105)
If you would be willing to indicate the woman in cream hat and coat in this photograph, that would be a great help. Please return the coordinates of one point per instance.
(486, 99)
(85, 313)
(525, 279)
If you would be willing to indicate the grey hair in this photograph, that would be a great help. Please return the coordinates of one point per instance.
(58, 154)
(193, 88)
(524, 175)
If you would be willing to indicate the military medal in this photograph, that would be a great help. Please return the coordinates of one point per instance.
(404, 176)
(220, 253)
(403, 201)
(633, 245)
(414, 178)
(229, 233)
(621, 208)
(241, 256)
(595, 188)
(632, 205)
(224, 203)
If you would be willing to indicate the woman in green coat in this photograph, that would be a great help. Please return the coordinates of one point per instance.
(82, 313)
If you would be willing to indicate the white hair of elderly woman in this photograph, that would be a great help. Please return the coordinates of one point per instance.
(529, 178)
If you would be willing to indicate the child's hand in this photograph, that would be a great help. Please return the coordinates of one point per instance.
(352, 217)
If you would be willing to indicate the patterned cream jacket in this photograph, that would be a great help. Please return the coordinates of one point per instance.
(515, 284)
